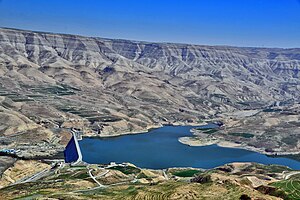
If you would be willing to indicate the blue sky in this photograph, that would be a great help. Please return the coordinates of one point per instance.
(262, 23)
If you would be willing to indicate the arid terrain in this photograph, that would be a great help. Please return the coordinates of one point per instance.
(269, 131)
(230, 182)
(50, 83)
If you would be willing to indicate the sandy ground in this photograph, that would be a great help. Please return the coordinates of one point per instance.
(192, 141)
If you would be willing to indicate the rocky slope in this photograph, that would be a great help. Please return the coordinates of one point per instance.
(50, 82)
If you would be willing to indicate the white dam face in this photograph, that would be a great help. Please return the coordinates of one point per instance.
(72, 151)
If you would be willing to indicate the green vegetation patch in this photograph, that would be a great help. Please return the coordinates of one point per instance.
(112, 193)
(290, 187)
(77, 173)
(291, 156)
(142, 175)
(127, 169)
(263, 169)
(88, 114)
(59, 90)
(277, 168)
(104, 119)
(131, 190)
(273, 168)
(244, 135)
(30, 196)
(80, 176)
(35, 96)
(67, 109)
(272, 110)
(203, 128)
(186, 173)
(22, 99)
(9, 94)
(6, 105)
(290, 140)
(16, 97)
(295, 177)
(210, 131)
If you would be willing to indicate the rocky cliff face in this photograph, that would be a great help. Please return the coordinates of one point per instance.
(121, 85)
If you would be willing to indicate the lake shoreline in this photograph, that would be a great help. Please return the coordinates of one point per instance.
(169, 138)
(143, 131)
(193, 141)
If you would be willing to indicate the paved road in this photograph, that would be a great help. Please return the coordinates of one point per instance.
(286, 176)
(93, 177)
(103, 174)
(33, 177)
(165, 174)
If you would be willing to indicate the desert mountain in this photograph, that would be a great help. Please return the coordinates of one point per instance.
(110, 86)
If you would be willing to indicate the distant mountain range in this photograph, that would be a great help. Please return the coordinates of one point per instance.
(121, 85)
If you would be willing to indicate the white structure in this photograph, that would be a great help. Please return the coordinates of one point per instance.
(77, 148)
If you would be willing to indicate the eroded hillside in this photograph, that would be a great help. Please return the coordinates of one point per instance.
(51, 82)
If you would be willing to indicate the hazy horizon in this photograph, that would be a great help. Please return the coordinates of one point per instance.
(258, 23)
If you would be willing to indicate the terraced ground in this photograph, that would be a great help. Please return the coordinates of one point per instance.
(159, 191)
(291, 187)
(129, 182)
(174, 190)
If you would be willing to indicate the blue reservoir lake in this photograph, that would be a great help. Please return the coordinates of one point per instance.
(160, 148)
